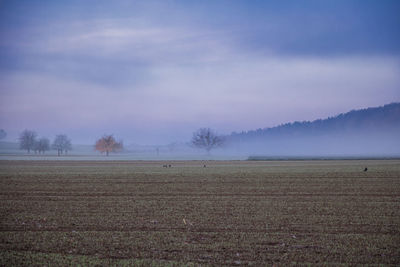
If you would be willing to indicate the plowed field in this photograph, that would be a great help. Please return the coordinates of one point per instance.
(227, 213)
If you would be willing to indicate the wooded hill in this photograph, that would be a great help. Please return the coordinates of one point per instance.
(373, 131)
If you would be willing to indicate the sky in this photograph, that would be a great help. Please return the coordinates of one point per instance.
(153, 72)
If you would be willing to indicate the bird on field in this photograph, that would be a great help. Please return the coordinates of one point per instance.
(366, 169)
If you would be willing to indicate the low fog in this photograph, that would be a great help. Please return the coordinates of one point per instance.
(151, 73)
(336, 145)
(327, 146)
(366, 133)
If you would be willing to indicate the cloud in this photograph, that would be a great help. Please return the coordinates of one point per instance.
(168, 76)
(123, 40)
(114, 52)
(229, 96)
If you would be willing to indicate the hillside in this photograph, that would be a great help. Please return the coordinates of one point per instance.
(366, 131)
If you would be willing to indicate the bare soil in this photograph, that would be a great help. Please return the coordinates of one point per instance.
(227, 213)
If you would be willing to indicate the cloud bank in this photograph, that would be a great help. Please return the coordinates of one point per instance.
(150, 79)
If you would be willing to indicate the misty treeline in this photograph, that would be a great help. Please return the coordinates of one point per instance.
(203, 138)
(371, 131)
(29, 141)
(364, 120)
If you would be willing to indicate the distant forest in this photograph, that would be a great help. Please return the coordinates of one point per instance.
(369, 119)
(373, 131)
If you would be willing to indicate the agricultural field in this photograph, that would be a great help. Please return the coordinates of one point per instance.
(227, 213)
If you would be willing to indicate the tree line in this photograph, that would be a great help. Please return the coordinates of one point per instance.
(203, 138)
(29, 141)
(362, 121)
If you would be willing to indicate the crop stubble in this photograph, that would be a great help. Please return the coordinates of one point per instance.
(231, 212)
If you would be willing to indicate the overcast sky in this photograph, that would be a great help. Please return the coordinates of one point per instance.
(152, 72)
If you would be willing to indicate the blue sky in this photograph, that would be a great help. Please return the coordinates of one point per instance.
(152, 72)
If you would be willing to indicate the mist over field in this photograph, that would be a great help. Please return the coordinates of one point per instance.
(199, 133)
(371, 132)
(368, 132)
(151, 73)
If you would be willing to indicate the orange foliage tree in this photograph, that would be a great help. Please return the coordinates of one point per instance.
(108, 144)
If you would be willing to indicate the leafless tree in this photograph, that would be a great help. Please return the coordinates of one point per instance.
(108, 144)
(207, 139)
(3, 134)
(42, 145)
(62, 144)
(27, 140)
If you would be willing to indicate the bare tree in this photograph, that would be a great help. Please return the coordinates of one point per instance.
(27, 140)
(3, 134)
(42, 145)
(108, 144)
(207, 139)
(62, 144)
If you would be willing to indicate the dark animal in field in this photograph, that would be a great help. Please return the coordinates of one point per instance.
(204, 166)
(169, 166)
(366, 169)
(165, 166)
